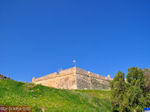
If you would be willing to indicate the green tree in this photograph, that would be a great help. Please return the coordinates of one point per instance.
(147, 79)
(135, 92)
(130, 95)
(118, 87)
(135, 77)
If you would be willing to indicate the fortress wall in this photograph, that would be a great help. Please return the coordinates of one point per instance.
(67, 71)
(80, 71)
(63, 80)
(47, 76)
(55, 74)
(98, 81)
(96, 75)
(82, 79)
(74, 78)
(89, 80)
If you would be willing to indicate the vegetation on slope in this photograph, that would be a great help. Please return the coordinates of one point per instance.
(14, 93)
(132, 94)
(102, 95)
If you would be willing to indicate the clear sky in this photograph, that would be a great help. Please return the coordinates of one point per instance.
(38, 37)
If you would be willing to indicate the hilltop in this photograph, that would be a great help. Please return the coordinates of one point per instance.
(53, 100)
(4, 77)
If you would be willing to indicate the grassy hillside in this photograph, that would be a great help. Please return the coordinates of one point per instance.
(53, 100)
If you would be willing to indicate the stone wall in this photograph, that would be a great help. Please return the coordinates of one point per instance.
(74, 78)
(89, 80)
(63, 80)
(83, 80)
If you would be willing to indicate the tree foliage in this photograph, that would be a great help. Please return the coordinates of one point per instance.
(130, 94)
(147, 79)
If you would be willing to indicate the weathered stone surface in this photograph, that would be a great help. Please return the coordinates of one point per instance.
(89, 80)
(74, 78)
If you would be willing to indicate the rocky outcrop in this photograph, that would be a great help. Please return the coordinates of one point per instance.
(3, 77)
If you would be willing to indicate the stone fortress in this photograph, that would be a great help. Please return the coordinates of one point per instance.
(74, 78)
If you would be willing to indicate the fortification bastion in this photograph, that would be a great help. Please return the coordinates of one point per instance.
(74, 78)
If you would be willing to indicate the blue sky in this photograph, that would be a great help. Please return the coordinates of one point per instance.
(38, 37)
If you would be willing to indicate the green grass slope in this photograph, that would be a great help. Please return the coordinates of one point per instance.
(14, 93)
